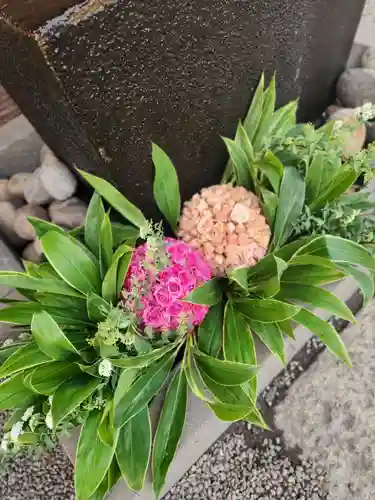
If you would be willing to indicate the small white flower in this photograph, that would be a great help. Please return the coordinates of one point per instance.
(16, 431)
(5, 442)
(7, 342)
(49, 421)
(50, 400)
(28, 414)
(105, 368)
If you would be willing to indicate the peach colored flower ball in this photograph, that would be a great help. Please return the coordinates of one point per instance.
(226, 224)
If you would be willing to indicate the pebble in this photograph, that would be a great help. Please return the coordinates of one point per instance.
(7, 217)
(4, 193)
(35, 193)
(356, 86)
(355, 132)
(56, 177)
(16, 184)
(70, 213)
(33, 252)
(368, 58)
(22, 226)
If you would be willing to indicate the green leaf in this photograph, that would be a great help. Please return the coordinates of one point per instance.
(7, 350)
(365, 282)
(93, 223)
(240, 276)
(315, 177)
(207, 294)
(93, 458)
(238, 343)
(269, 101)
(266, 310)
(325, 332)
(339, 250)
(50, 338)
(133, 449)
(106, 431)
(169, 430)
(97, 307)
(122, 233)
(272, 168)
(42, 226)
(46, 379)
(291, 201)
(116, 199)
(19, 313)
(120, 263)
(63, 302)
(229, 413)
(283, 119)
(140, 393)
(254, 114)
(25, 357)
(224, 372)
(106, 245)
(269, 205)
(194, 377)
(70, 395)
(264, 278)
(123, 266)
(142, 360)
(49, 285)
(240, 162)
(316, 297)
(255, 418)
(210, 330)
(244, 142)
(339, 185)
(71, 262)
(271, 336)
(233, 395)
(13, 393)
(166, 188)
(288, 251)
(287, 328)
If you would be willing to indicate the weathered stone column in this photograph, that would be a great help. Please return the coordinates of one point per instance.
(102, 79)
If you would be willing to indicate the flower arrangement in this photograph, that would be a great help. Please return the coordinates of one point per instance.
(118, 313)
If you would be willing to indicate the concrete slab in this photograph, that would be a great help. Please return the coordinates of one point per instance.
(366, 29)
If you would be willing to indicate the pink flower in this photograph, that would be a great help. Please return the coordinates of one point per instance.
(161, 307)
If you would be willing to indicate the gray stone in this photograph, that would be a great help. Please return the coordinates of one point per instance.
(16, 184)
(22, 226)
(353, 132)
(33, 252)
(7, 217)
(35, 193)
(356, 86)
(4, 193)
(368, 58)
(56, 177)
(69, 213)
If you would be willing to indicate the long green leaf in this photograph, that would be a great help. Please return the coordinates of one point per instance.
(283, 119)
(233, 395)
(49, 285)
(13, 393)
(272, 168)
(266, 310)
(210, 330)
(142, 390)
(97, 307)
(169, 430)
(46, 379)
(116, 199)
(110, 286)
(166, 188)
(70, 395)
(291, 200)
(25, 357)
(93, 223)
(19, 313)
(122, 271)
(339, 250)
(270, 334)
(133, 449)
(339, 185)
(50, 338)
(143, 359)
(288, 251)
(269, 101)
(264, 278)
(238, 343)
(224, 372)
(193, 376)
(207, 294)
(365, 282)
(123, 233)
(315, 177)
(269, 205)
(316, 297)
(325, 332)
(254, 114)
(229, 413)
(71, 262)
(106, 245)
(240, 162)
(93, 458)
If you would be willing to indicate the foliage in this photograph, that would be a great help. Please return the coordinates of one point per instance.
(85, 358)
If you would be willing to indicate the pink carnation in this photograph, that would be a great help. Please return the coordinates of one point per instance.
(161, 305)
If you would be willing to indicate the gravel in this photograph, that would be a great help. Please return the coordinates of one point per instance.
(25, 478)
(231, 470)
